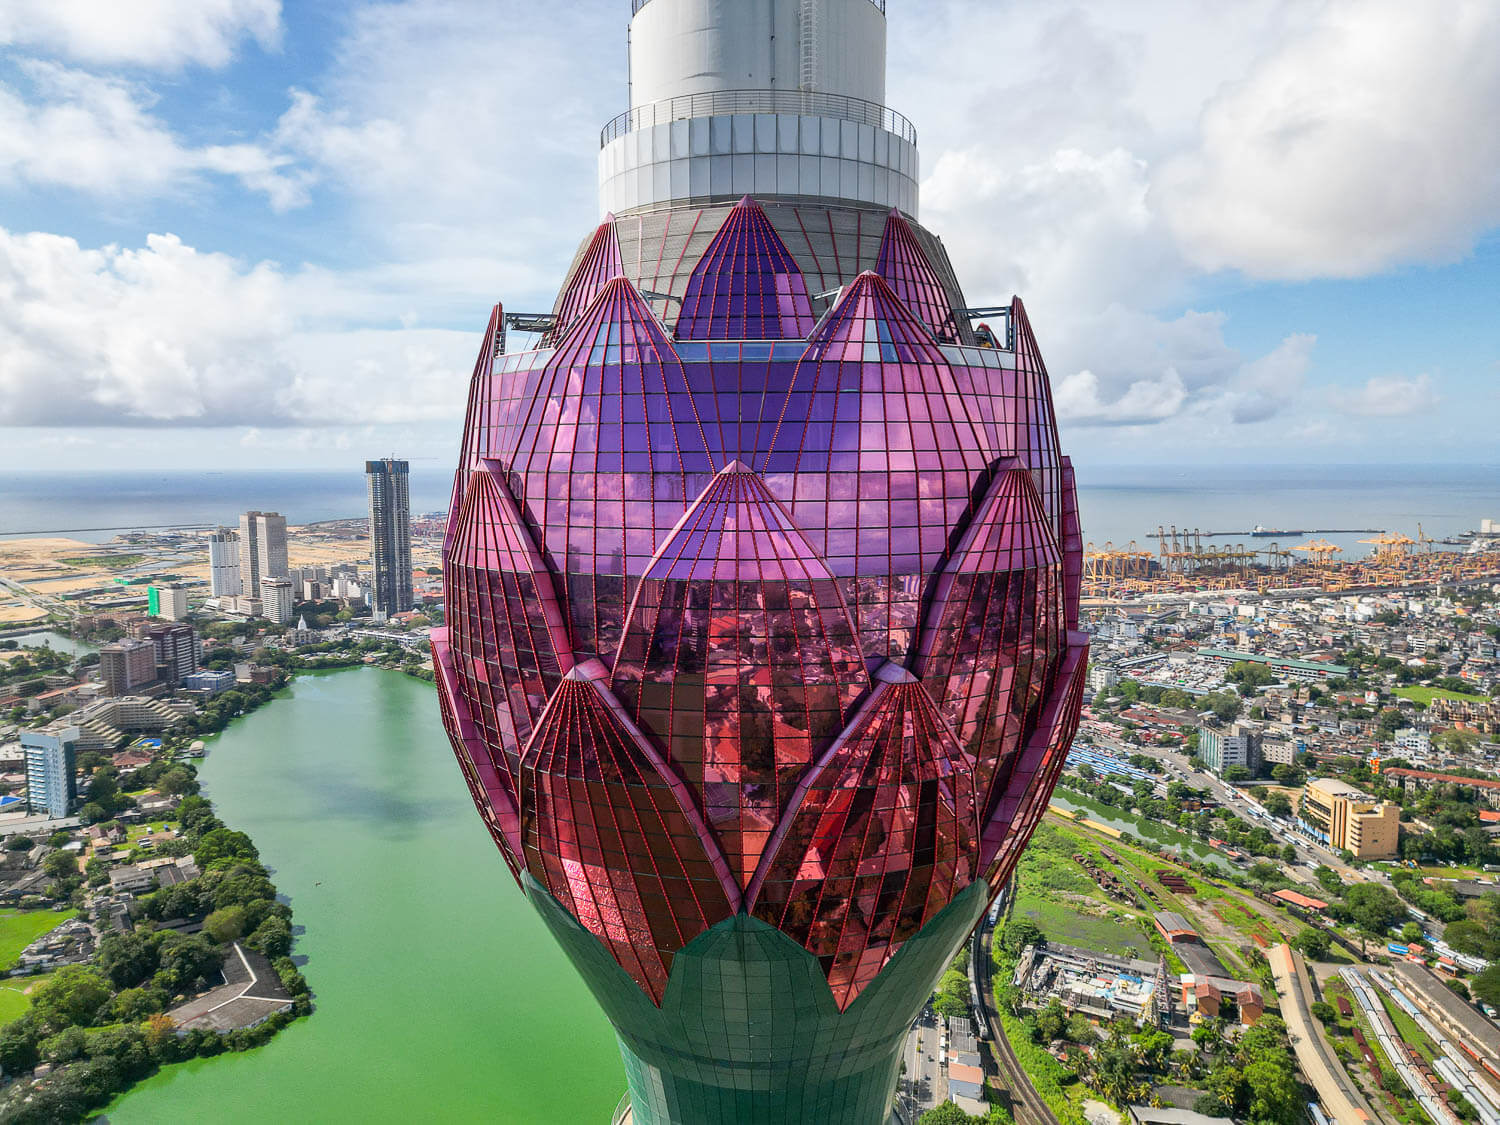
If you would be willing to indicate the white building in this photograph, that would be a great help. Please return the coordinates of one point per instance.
(51, 782)
(170, 603)
(1413, 743)
(277, 597)
(224, 563)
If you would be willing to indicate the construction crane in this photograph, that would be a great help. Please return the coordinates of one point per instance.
(1276, 558)
(1107, 569)
(1321, 550)
(1390, 548)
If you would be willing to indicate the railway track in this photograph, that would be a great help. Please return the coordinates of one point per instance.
(1027, 1106)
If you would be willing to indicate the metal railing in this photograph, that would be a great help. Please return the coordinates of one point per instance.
(637, 5)
(718, 103)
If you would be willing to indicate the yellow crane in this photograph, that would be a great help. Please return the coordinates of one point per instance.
(1321, 550)
(1390, 548)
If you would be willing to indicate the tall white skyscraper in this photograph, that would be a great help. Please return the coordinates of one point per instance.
(224, 563)
(262, 549)
(277, 596)
(51, 787)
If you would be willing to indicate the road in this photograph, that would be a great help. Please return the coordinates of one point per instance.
(1335, 1088)
(924, 1084)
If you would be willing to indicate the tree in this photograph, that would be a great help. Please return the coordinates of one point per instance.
(177, 782)
(948, 1114)
(60, 865)
(225, 925)
(1314, 944)
(1018, 934)
(953, 994)
(223, 843)
(1374, 909)
(1288, 854)
(1329, 879)
(185, 960)
(1275, 1096)
(128, 958)
(18, 1046)
(1325, 1011)
(1485, 987)
(1278, 804)
(71, 998)
(273, 937)
(1051, 1022)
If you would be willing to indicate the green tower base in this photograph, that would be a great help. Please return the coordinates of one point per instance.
(748, 1033)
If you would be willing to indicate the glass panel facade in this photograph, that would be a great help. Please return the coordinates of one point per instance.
(762, 631)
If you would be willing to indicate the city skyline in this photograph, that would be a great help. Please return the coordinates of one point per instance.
(1173, 283)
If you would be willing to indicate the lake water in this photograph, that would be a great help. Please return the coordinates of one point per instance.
(60, 642)
(440, 996)
(1147, 832)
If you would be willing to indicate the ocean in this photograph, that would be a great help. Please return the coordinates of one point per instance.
(1118, 503)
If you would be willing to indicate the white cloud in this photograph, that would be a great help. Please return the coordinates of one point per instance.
(97, 135)
(1363, 140)
(441, 151)
(1388, 396)
(157, 33)
(1080, 402)
(165, 335)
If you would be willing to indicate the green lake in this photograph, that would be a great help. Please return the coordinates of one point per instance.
(440, 997)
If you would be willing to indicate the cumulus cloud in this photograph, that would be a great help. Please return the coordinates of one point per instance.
(1363, 140)
(97, 135)
(1080, 400)
(166, 335)
(154, 33)
(1388, 396)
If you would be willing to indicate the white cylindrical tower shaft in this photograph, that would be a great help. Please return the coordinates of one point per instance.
(771, 98)
(682, 47)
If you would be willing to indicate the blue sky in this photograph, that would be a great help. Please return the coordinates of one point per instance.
(247, 233)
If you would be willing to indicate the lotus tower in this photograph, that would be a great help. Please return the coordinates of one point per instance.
(762, 572)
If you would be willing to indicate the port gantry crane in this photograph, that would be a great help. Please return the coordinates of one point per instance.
(1108, 571)
(1321, 550)
(1390, 548)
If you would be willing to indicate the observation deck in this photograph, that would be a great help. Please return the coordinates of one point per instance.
(769, 98)
(717, 146)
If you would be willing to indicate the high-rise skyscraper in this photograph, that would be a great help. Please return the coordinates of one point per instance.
(762, 574)
(224, 564)
(278, 596)
(390, 534)
(127, 664)
(262, 550)
(178, 651)
(51, 777)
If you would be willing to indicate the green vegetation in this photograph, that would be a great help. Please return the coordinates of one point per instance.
(1425, 695)
(1057, 1085)
(104, 1026)
(15, 996)
(18, 929)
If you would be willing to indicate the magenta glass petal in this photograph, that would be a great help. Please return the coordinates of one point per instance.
(746, 287)
(911, 277)
(739, 659)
